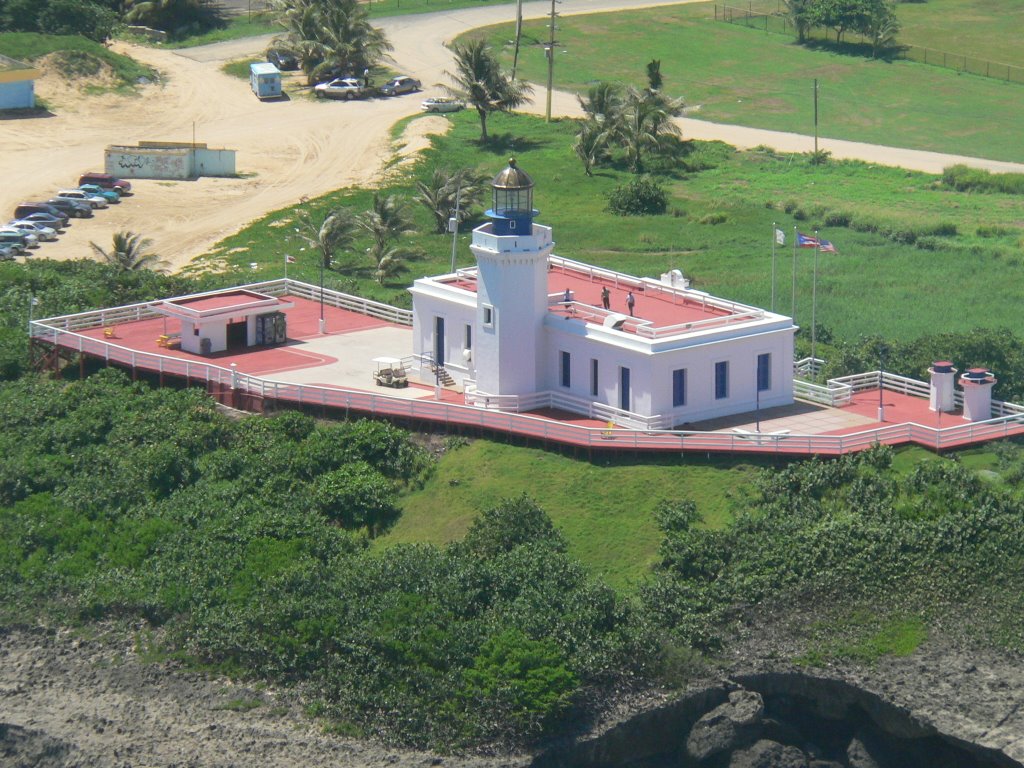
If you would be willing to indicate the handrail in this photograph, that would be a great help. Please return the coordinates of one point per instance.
(644, 436)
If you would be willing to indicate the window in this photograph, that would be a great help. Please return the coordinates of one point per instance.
(488, 316)
(469, 337)
(566, 377)
(678, 387)
(721, 380)
(764, 372)
(593, 377)
(511, 224)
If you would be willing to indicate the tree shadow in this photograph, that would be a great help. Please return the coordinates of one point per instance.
(505, 143)
(860, 50)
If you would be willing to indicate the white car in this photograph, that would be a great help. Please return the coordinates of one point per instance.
(31, 240)
(41, 231)
(441, 104)
(94, 201)
(341, 88)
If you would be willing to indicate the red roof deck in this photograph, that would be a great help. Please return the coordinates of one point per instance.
(263, 374)
(658, 309)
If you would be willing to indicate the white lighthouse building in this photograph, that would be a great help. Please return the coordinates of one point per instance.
(526, 329)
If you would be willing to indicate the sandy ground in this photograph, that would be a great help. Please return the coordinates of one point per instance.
(285, 149)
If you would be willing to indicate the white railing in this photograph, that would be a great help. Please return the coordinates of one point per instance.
(642, 434)
(142, 311)
(808, 367)
(834, 395)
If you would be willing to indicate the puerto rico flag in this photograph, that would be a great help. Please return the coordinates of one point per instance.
(288, 259)
(806, 241)
(826, 247)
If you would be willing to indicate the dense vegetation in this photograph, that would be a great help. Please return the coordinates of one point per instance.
(97, 19)
(236, 542)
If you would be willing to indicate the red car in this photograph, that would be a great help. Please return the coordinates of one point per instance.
(106, 181)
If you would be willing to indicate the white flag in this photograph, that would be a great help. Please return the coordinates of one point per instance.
(780, 237)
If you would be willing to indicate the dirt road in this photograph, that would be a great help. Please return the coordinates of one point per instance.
(285, 149)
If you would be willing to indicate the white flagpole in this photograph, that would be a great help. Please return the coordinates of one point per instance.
(286, 268)
(814, 299)
(792, 310)
(773, 265)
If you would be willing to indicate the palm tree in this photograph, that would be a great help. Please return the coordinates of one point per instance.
(647, 125)
(331, 35)
(130, 253)
(439, 193)
(335, 232)
(602, 102)
(590, 145)
(479, 81)
(386, 223)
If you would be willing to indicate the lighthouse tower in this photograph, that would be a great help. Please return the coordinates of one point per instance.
(512, 288)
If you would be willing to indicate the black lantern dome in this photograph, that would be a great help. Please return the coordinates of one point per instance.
(512, 210)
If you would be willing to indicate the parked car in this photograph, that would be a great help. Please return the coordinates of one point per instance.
(282, 58)
(43, 232)
(399, 85)
(106, 181)
(46, 219)
(94, 201)
(16, 241)
(25, 210)
(31, 240)
(341, 88)
(110, 195)
(441, 104)
(75, 208)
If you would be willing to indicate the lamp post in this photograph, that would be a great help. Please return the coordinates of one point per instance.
(323, 323)
(881, 383)
(32, 301)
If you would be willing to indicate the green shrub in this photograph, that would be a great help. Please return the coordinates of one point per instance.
(965, 179)
(639, 197)
(714, 218)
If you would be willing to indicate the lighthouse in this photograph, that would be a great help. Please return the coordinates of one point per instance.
(512, 288)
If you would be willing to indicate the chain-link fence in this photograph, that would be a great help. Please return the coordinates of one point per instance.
(779, 23)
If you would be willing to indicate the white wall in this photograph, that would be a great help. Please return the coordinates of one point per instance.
(457, 314)
(145, 163)
(651, 373)
(213, 162)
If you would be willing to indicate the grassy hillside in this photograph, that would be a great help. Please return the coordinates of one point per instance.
(28, 46)
(604, 507)
(728, 73)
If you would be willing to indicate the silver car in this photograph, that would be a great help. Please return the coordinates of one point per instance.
(43, 232)
(94, 201)
(441, 104)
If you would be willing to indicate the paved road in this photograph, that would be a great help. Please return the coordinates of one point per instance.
(419, 50)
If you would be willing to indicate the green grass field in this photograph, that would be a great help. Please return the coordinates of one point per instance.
(730, 74)
(604, 507)
(874, 285)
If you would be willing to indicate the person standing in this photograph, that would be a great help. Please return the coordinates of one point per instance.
(606, 298)
(630, 302)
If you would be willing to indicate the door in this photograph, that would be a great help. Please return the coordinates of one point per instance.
(238, 335)
(624, 394)
(439, 340)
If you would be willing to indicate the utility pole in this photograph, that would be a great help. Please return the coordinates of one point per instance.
(551, 62)
(519, 33)
(815, 118)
